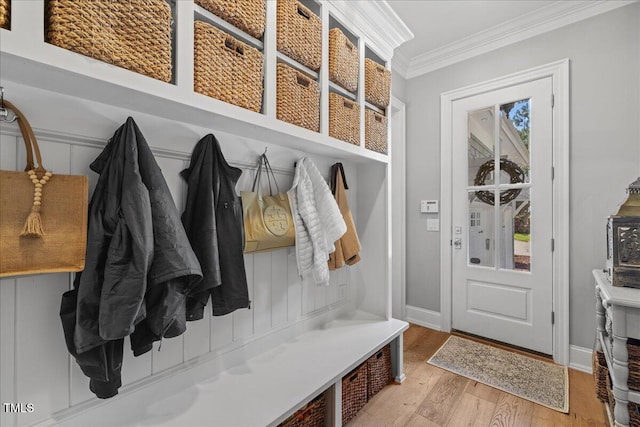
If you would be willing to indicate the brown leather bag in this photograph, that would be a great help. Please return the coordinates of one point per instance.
(268, 223)
(43, 215)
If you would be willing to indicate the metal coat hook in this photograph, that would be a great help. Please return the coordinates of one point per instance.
(4, 113)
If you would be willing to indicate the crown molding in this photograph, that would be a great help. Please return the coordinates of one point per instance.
(551, 17)
(400, 64)
(377, 21)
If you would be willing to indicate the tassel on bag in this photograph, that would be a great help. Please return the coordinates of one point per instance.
(33, 224)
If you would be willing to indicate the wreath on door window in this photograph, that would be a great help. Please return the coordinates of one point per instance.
(516, 176)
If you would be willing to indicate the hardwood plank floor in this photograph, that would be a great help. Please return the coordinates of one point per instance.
(433, 397)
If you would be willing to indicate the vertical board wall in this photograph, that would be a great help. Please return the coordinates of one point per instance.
(35, 366)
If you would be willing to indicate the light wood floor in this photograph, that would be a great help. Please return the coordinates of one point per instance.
(431, 397)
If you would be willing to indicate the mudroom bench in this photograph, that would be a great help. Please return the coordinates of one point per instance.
(263, 390)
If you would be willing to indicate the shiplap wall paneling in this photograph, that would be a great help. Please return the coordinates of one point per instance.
(261, 305)
(8, 149)
(294, 287)
(243, 319)
(279, 288)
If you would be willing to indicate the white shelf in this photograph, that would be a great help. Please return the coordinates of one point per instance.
(334, 87)
(298, 66)
(619, 295)
(203, 14)
(299, 370)
(374, 108)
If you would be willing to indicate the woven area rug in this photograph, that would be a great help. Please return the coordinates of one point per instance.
(540, 382)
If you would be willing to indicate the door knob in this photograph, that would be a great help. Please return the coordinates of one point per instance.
(457, 243)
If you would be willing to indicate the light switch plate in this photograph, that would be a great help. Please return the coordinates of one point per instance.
(433, 224)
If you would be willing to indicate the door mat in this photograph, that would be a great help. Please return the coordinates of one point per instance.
(541, 382)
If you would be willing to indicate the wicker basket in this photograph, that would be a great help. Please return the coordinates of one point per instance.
(135, 34)
(379, 371)
(344, 119)
(311, 415)
(377, 83)
(225, 68)
(299, 33)
(354, 392)
(375, 131)
(298, 98)
(247, 15)
(634, 414)
(600, 373)
(633, 348)
(611, 400)
(5, 14)
(343, 60)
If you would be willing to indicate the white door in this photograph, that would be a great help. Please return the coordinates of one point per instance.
(502, 251)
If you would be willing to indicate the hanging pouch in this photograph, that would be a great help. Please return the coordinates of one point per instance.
(268, 223)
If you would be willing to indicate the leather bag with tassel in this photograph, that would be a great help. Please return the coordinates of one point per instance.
(268, 223)
(43, 215)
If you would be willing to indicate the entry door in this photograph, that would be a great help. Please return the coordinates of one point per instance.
(502, 215)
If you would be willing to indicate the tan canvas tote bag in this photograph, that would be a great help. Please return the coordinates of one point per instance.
(43, 215)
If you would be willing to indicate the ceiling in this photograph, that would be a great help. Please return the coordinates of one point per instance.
(449, 31)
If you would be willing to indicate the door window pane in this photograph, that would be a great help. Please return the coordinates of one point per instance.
(481, 142)
(515, 140)
(480, 236)
(515, 233)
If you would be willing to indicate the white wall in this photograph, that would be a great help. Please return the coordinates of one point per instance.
(35, 366)
(604, 149)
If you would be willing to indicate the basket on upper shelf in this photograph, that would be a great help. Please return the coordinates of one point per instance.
(247, 15)
(344, 119)
(377, 83)
(343, 60)
(375, 131)
(226, 69)
(299, 33)
(297, 98)
(135, 34)
(5, 14)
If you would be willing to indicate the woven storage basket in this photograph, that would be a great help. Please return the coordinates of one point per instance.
(344, 119)
(633, 348)
(375, 131)
(377, 83)
(5, 14)
(311, 415)
(132, 34)
(610, 398)
(299, 33)
(225, 68)
(298, 98)
(354, 392)
(379, 371)
(634, 414)
(343, 60)
(247, 15)
(600, 373)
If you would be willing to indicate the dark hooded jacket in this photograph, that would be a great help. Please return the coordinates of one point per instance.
(213, 221)
(139, 264)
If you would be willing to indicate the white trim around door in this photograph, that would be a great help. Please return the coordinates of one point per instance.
(559, 72)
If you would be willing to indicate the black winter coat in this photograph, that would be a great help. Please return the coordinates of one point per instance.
(139, 263)
(213, 221)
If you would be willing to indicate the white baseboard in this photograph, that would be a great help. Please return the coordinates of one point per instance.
(423, 317)
(580, 358)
